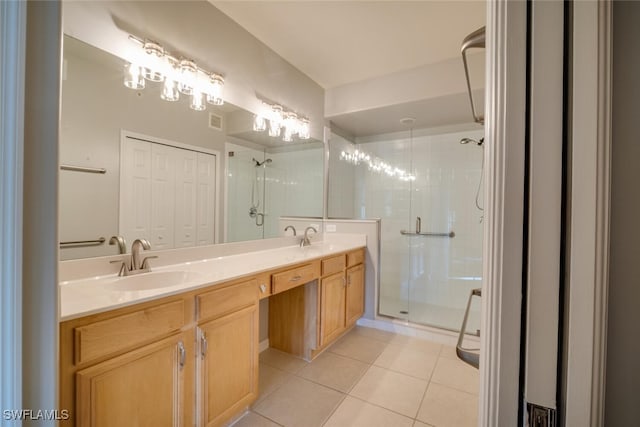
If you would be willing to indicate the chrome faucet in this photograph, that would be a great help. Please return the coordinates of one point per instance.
(290, 227)
(135, 253)
(122, 244)
(305, 240)
(135, 266)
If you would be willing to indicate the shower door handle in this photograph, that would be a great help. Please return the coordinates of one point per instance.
(260, 219)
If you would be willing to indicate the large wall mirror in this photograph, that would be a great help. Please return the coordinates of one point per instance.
(135, 165)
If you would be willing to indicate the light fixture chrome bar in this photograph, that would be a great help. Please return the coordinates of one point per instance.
(82, 169)
(450, 234)
(79, 243)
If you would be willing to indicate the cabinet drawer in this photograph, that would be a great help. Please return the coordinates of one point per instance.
(296, 276)
(355, 257)
(223, 301)
(124, 332)
(264, 285)
(333, 265)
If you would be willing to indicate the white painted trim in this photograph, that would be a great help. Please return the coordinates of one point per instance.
(13, 20)
(590, 205)
(125, 133)
(504, 157)
(40, 290)
(545, 202)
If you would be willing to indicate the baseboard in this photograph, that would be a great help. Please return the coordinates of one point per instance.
(263, 345)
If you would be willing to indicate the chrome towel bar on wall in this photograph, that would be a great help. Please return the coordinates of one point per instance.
(79, 243)
(450, 234)
(82, 169)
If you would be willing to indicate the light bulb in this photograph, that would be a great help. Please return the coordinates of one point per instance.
(304, 129)
(170, 90)
(153, 61)
(214, 95)
(197, 102)
(188, 72)
(259, 123)
(133, 77)
(274, 128)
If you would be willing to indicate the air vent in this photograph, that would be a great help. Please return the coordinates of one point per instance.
(215, 121)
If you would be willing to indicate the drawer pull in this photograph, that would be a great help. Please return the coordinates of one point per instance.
(263, 288)
(204, 346)
(295, 278)
(182, 354)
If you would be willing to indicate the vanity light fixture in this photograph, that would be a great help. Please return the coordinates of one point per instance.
(376, 164)
(281, 123)
(179, 76)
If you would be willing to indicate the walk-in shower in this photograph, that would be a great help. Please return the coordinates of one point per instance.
(427, 196)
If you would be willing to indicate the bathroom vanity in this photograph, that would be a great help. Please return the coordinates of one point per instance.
(191, 348)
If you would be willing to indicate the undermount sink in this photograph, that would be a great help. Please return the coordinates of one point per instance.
(153, 280)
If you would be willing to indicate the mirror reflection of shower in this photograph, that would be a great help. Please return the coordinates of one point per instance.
(257, 190)
(479, 143)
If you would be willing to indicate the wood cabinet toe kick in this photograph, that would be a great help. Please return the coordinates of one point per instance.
(192, 358)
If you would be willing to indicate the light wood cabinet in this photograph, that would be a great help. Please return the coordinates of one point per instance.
(144, 387)
(227, 372)
(341, 295)
(192, 359)
(229, 365)
(354, 294)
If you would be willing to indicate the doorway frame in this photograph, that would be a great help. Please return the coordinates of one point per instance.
(588, 253)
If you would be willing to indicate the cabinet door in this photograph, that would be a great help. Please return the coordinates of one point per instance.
(144, 387)
(355, 293)
(229, 370)
(332, 307)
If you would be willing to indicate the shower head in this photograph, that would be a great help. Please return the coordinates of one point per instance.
(258, 164)
(478, 142)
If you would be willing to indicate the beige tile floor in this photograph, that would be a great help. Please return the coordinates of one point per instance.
(369, 378)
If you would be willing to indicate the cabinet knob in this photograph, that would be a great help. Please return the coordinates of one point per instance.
(263, 288)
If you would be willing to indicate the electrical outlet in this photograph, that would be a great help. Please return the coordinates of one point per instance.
(330, 228)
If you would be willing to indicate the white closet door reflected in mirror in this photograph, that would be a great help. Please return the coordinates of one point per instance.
(167, 193)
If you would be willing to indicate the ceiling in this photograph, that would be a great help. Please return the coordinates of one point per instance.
(344, 42)
(340, 42)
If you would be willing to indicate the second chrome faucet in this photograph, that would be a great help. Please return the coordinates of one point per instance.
(135, 266)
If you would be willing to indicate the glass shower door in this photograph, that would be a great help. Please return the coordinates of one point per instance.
(245, 195)
(446, 252)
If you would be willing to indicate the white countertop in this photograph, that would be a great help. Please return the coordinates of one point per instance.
(90, 295)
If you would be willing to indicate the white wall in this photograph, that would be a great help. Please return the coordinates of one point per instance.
(623, 346)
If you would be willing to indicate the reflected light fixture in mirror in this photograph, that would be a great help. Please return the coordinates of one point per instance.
(153, 63)
(280, 122)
